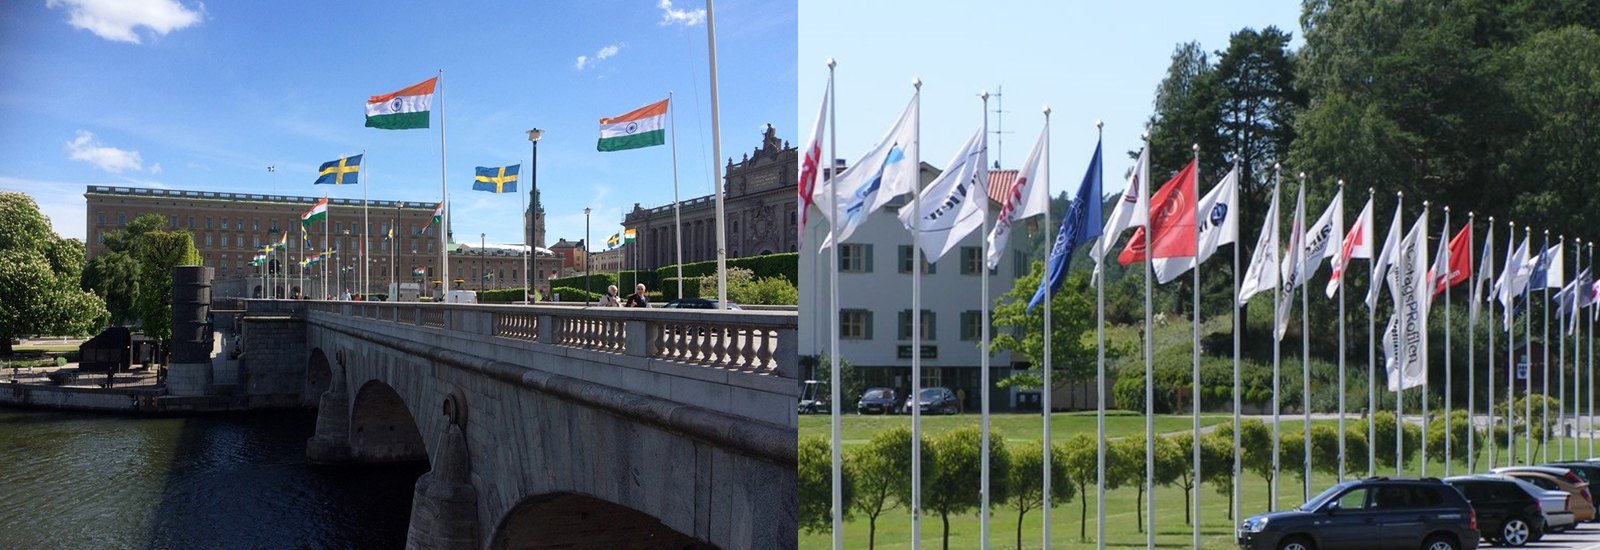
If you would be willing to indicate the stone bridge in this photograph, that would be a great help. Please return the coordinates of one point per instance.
(549, 426)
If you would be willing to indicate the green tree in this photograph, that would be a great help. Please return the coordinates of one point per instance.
(1384, 425)
(159, 252)
(1255, 440)
(745, 288)
(881, 474)
(815, 477)
(1175, 466)
(1027, 481)
(1459, 427)
(1072, 358)
(114, 275)
(39, 277)
(1216, 462)
(1125, 463)
(1079, 464)
(949, 484)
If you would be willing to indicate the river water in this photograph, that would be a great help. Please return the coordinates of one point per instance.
(75, 480)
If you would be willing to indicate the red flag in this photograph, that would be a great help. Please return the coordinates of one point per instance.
(1460, 261)
(1172, 217)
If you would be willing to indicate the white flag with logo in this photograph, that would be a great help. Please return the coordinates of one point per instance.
(1029, 196)
(1380, 266)
(1218, 219)
(1407, 345)
(1130, 212)
(1356, 244)
(955, 203)
(1293, 265)
(1519, 267)
(885, 172)
(1262, 275)
(1328, 227)
(1485, 272)
(1555, 274)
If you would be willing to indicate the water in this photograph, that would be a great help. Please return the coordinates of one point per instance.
(73, 480)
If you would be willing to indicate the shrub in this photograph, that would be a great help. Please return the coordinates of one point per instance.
(786, 265)
(569, 294)
(597, 282)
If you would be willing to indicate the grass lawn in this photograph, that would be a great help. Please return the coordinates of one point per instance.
(894, 527)
(857, 429)
(48, 349)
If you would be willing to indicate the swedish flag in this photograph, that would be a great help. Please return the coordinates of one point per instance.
(344, 171)
(496, 180)
(615, 239)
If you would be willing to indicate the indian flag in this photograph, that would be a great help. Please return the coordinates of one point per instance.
(283, 241)
(317, 213)
(644, 127)
(630, 235)
(438, 215)
(417, 271)
(402, 110)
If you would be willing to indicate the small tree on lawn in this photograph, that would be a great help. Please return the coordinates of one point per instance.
(1216, 462)
(1175, 466)
(1027, 481)
(949, 483)
(881, 474)
(1125, 457)
(1081, 469)
(1255, 439)
(815, 477)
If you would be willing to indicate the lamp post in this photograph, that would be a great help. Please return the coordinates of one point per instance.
(533, 216)
(586, 256)
(483, 272)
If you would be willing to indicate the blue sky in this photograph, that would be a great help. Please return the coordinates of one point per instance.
(1087, 60)
(176, 94)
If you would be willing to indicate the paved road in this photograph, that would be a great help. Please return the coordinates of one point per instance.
(1585, 537)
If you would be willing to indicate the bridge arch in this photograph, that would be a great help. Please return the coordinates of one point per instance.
(582, 522)
(319, 377)
(382, 428)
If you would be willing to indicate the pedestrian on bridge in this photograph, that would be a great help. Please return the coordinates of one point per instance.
(638, 299)
(612, 298)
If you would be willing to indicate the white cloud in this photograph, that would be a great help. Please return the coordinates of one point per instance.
(687, 18)
(608, 51)
(586, 62)
(86, 148)
(116, 20)
(583, 61)
(197, 166)
(155, 168)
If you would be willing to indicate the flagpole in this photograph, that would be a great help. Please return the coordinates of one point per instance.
(1399, 389)
(983, 375)
(1194, 388)
(1149, 389)
(1344, 268)
(1472, 353)
(1449, 277)
(1233, 498)
(677, 215)
(1590, 322)
(1305, 356)
(1423, 407)
(327, 224)
(394, 277)
(1544, 369)
(716, 152)
(1372, 348)
(1277, 357)
(916, 326)
(833, 304)
(1561, 365)
(1100, 463)
(444, 193)
(1488, 244)
(1511, 346)
(1527, 377)
(1100, 380)
(1577, 353)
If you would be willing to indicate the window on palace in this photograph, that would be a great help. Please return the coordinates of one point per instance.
(224, 222)
(208, 222)
(855, 258)
(101, 219)
(255, 224)
(274, 225)
(855, 324)
(191, 222)
(122, 219)
(928, 268)
(971, 325)
(208, 239)
(928, 332)
(174, 221)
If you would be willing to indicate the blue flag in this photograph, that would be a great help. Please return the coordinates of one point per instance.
(1081, 225)
(1541, 267)
(339, 172)
(502, 179)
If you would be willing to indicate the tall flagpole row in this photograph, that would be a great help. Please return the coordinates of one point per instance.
(1448, 277)
(1305, 354)
(1100, 463)
(983, 367)
(1194, 326)
(1237, 398)
(1277, 357)
(1344, 271)
(1149, 383)
(1472, 353)
(916, 332)
(1372, 352)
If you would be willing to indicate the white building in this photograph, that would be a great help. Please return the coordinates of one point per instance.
(875, 304)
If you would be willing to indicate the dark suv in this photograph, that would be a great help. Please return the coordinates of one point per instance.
(1507, 514)
(1370, 514)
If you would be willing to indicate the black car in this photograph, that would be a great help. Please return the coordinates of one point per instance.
(935, 401)
(1507, 515)
(1370, 514)
(697, 303)
(876, 401)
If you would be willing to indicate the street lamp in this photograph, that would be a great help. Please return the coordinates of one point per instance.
(483, 249)
(533, 216)
(586, 256)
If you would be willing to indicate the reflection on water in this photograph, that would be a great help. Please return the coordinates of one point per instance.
(72, 480)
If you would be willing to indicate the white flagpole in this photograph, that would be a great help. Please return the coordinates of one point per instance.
(1561, 372)
(1305, 356)
(1527, 376)
(716, 152)
(366, 229)
(983, 375)
(833, 307)
(1472, 352)
(1372, 350)
(444, 193)
(1511, 349)
(916, 329)
(1577, 354)
(1399, 391)
(1544, 337)
(1424, 406)
(1194, 324)
(1149, 382)
(1444, 265)
(1488, 243)
(1277, 356)
(1344, 272)
(1589, 320)
(677, 215)
(327, 224)
(1100, 462)
(1237, 401)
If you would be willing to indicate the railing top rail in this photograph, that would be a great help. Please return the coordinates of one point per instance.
(747, 317)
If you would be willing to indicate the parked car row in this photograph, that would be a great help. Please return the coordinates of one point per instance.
(1510, 506)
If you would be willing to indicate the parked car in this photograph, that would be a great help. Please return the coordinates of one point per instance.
(934, 401)
(1556, 505)
(697, 303)
(1507, 515)
(1557, 479)
(876, 401)
(1370, 514)
(1588, 471)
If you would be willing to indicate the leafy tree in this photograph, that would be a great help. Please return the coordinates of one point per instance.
(816, 484)
(1384, 425)
(1459, 426)
(1216, 462)
(114, 275)
(159, 252)
(1255, 440)
(881, 475)
(1175, 466)
(39, 276)
(1081, 469)
(1027, 481)
(949, 485)
(1022, 332)
(745, 288)
(1125, 463)
(1292, 454)
(851, 378)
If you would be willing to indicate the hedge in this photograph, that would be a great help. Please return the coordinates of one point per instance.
(629, 278)
(503, 295)
(669, 288)
(597, 282)
(569, 294)
(786, 265)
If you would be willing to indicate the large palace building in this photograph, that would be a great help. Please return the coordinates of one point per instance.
(229, 228)
(760, 203)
